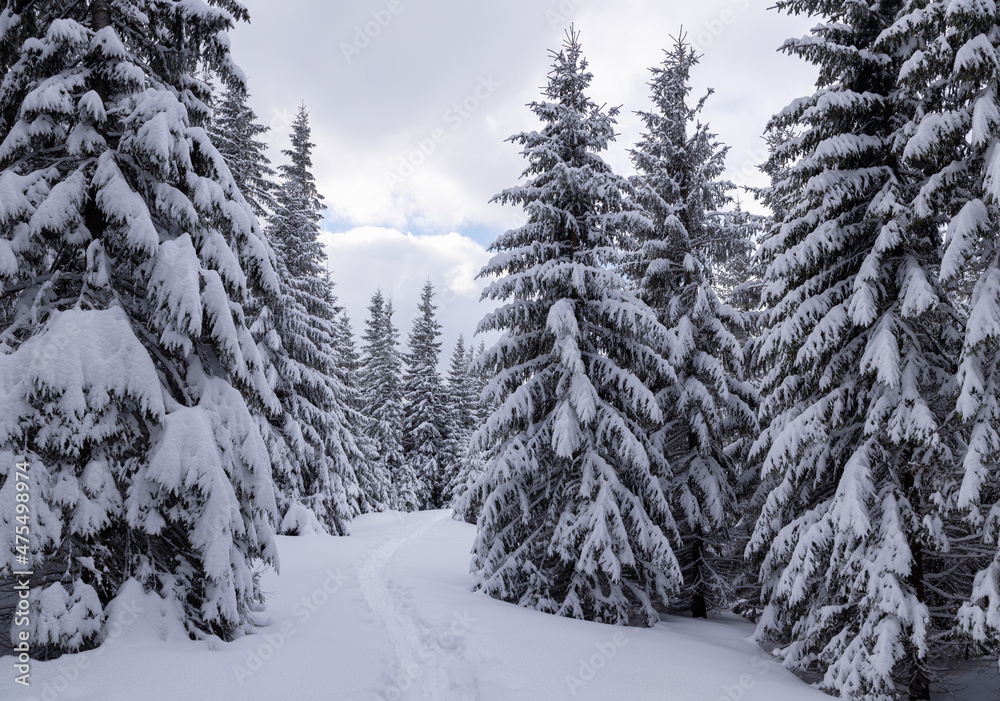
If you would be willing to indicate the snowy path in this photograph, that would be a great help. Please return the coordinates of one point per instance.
(387, 615)
(427, 664)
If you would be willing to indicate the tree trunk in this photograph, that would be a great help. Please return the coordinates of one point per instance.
(100, 17)
(699, 608)
(100, 14)
(919, 689)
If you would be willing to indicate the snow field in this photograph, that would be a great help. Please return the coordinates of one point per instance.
(387, 614)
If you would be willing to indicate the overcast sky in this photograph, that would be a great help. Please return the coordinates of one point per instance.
(411, 101)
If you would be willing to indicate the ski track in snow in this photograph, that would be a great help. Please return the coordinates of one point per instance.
(423, 668)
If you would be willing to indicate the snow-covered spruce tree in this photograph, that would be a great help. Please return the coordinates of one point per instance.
(235, 131)
(739, 283)
(481, 375)
(382, 394)
(860, 347)
(129, 379)
(424, 405)
(705, 401)
(471, 465)
(456, 393)
(738, 279)
(952, 143)
(574, 521)
(319, 481)
(374, 482)
(461, 413)
(753, 489)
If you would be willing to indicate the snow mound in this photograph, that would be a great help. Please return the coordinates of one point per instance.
(300, 520)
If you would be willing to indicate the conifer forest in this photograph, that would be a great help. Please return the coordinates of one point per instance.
(711, 439)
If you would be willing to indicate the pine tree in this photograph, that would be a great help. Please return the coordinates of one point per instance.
(382, 392)
(130, 381)
(235, 131)
(857, 448)
(705, 400)
(374, 482)
(574, 521)
(424, 420)
(319, 481)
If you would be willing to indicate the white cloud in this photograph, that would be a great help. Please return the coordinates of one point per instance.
(378, 107)
(421, 70)
(365, 259)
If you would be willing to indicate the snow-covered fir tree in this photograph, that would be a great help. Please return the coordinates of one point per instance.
(425, 405)
(752, 489)
(574, 521)
(129, 378)
(374, 482)
(738, 278)
(951, 145)
(705, 401)
(318, 483)
(235, 131)
(461, 414)
(860, 346)
(466, 500)
(382, 394)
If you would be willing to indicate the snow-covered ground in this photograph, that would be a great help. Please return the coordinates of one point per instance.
(387, 614)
